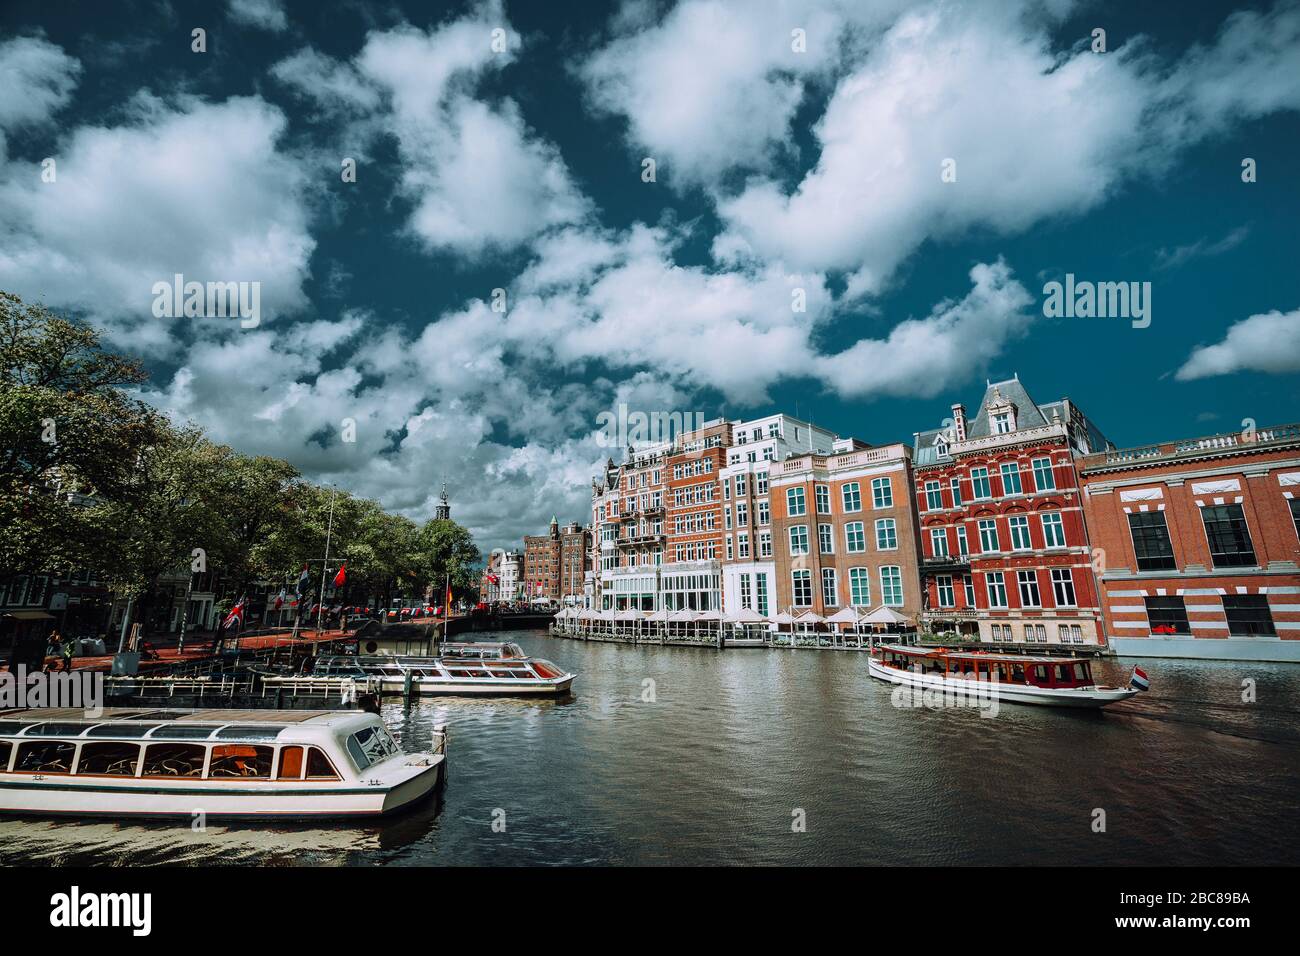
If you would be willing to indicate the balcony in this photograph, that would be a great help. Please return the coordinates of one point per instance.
(1273, 436)
(943, 564)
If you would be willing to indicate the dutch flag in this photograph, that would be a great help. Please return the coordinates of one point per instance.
(1139, 679)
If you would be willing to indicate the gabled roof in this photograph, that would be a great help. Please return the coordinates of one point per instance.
(1028, 413)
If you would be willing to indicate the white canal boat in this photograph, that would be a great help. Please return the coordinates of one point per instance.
(473, 669)
(1008, 678)
(221, 763)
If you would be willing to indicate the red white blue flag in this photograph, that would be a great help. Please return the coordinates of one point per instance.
(1139, 679)
(236, 616)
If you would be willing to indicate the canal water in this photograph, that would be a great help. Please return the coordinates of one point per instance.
(670, 755)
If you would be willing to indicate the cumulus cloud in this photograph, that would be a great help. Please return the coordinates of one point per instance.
(1267, 342)
(476, 175)
(260, 14)
(36, 81)
(189, 187)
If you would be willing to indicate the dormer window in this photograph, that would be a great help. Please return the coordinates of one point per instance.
(1001, 423)
(941, 448)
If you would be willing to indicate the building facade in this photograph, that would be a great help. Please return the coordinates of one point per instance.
(844, 531)
(575, 561)
(1005, 553)
(542, 564)
(1200, 545)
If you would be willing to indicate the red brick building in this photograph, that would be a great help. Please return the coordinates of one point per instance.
(1005, 552)
(1200, 543)
(542, 564)
(844, 531)
(575, 562)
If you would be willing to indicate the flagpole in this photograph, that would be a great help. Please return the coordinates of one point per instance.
(325, 568)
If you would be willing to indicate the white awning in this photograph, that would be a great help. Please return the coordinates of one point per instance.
(747, 615)
(846, 615)
(884, 615)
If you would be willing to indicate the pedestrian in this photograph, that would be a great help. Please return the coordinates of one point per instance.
(67, 655)
(53, 649)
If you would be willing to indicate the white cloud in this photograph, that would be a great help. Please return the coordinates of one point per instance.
(478, 178)
(190, 187)
(260, 14)
(1267, 342)
(36, 81)
(1201, 248)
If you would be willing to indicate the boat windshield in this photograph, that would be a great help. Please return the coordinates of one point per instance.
(371, 745)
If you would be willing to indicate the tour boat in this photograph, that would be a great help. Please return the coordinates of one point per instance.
(1017, 679)
(264, 764)
(476, 669)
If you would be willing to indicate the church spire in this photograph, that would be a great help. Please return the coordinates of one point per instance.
(443, 511)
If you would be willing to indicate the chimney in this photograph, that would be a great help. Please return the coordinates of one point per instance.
(959, 422)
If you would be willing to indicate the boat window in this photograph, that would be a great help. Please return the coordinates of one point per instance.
(10, 727)
(187, 731)
(507, 674)
(109, 758)
(1081, 671)
(319, 766)
(1040, 673)
(370, 745)
(290, 763)
(121, 730)
(546, 670)
(174, 760)
(44, 757)
(56, 730)
(248, 732)
(5, 748)
(240, 760)
(1063, 672)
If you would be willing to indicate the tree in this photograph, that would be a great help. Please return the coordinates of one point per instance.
(447, 551)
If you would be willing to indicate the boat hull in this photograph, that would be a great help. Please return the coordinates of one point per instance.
(134, 797)
(1004, 693)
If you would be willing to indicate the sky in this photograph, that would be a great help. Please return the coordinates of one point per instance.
(855, 213)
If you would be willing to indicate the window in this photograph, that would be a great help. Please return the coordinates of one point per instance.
(989, 535)
(882, 493)
(830, 596)
(933, 496)
(764, 512)
(729, 548)
(822, 493)
(1151, 542)
(1225, 527)
(765, 544)
(939, 542)
(855, 538)
(1001, 423)
(760, 587)
(860, 587)
(726, 517)
(891, 585)
(1053, 530)
(742, 544)
(1063, 587)
(174, 760)
(979, 483)
(963, 548)
(319, 766)
(290, 764)
(1019, 525)
(1027, 583)
(799, 539)
(740, 486)
(825, 539)
(44, 756)
(1248, 614)
(241, 760)
(802, 580)
(1011, 478)
(1295, 514)
(997, 589)
(968, 585)
(886, 534)
(742, 514)
(1044, 478)
(1167, 615)
(760, 483)
(5, 749)
(794, 502)
(852, 495)
(369, 746)
(943, 584)
(109, 758)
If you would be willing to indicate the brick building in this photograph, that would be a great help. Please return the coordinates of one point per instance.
(575, 561)
(844, 530)
(542, 564)
(1200, 543)
(1005, 552)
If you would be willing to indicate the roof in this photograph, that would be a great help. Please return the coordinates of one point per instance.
(38, 715)
(1028, 413)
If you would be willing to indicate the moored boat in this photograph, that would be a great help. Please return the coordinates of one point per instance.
(473, 669)
(1010, 678)
(133, 762)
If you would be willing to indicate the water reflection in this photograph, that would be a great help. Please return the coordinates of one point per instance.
(684, 755)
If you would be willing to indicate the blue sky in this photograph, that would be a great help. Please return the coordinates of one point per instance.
(777, 169)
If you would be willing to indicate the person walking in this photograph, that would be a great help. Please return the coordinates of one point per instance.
(67, 654)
